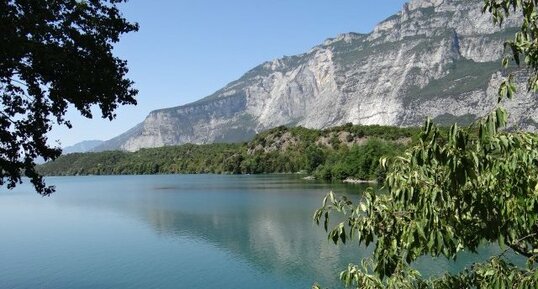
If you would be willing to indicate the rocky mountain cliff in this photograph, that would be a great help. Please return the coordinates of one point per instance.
(437, 58)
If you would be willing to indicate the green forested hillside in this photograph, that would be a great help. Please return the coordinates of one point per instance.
(331, 154)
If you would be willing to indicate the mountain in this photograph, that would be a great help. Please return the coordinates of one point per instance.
(82, 147)
(437, 58)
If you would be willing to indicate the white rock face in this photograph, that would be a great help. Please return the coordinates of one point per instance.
(437, 58)
(416, 4)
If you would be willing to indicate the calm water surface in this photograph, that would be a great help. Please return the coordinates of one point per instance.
(188, 231)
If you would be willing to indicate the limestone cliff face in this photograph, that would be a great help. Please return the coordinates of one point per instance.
(437, 58)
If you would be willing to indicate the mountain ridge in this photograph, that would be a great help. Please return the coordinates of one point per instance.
(437, 58)
(81, 147)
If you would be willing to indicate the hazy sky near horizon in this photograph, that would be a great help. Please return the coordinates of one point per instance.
(186, 50)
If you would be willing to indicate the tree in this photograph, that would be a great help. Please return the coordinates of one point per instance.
(55, 54)
(477, 185)
(314, 157)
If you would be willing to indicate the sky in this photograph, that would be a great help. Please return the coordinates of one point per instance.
(186, 50)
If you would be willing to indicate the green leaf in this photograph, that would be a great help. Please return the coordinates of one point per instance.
(363, 206)
(504, 62)
(326, 221)
(501, 117)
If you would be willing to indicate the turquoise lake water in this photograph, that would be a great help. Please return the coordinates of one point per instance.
(176, 231)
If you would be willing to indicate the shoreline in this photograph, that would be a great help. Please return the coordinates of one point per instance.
(358, 181)
(346, 181)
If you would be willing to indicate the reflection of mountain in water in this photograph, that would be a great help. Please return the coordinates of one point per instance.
(265, 224)
(263, 220)
(273, 241)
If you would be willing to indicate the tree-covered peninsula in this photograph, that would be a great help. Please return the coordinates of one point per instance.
(332, 154)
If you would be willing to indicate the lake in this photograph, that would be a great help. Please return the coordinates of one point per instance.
(176, 231)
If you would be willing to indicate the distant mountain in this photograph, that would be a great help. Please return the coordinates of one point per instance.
(438, 58)
(82, 147)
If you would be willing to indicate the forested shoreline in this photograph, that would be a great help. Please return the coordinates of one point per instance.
(332, 154)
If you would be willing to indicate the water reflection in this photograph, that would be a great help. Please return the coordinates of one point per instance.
(263, 222)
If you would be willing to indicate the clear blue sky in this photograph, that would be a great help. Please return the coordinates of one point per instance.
(186, 50)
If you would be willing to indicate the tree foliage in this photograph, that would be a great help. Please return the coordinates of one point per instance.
(55, 54)
(475, 186)
(358, 162)
(279, 150)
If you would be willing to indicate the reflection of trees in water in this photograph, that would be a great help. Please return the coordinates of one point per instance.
(284, 243)
(264, 221)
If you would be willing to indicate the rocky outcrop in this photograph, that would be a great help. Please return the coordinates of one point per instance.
(437, 58)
